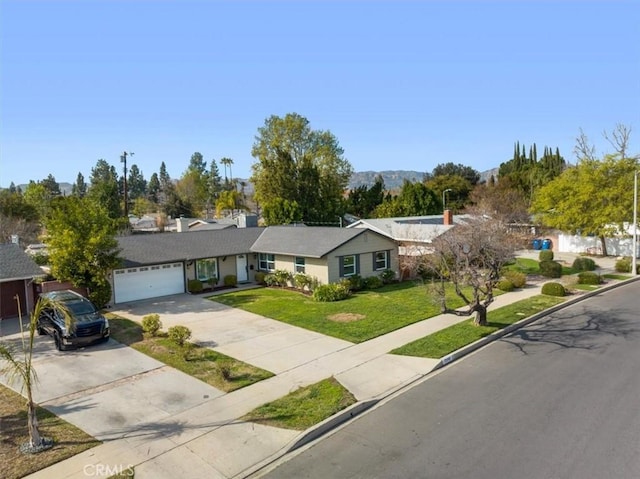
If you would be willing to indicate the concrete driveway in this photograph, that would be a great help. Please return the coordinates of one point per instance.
(263, 342)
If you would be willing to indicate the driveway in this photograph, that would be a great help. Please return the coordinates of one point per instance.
(272, 345)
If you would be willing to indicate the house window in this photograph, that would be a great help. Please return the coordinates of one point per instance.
(299, 265)
(206, 269)
(267, 262)
(380, 260)
(348, 265)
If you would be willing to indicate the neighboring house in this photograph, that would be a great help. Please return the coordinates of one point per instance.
(17, 272)
(162, 264)
(326, 253)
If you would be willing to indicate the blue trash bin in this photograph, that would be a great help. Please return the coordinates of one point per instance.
(546, 243)
(537, 243)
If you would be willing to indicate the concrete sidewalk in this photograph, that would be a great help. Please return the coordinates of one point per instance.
(208, 441)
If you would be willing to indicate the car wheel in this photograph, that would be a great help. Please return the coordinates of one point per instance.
(58, 340)
(41, 331)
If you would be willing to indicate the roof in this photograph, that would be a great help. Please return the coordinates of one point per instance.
(312, 242)
(422, 229)
(15, 264)
(141, 249)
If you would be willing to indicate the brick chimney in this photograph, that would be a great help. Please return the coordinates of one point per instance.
(447, 218)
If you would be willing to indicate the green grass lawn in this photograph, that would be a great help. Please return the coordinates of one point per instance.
(524, 265)
(68, 439)
(454, 337)
(363, 316)
(620, 277)
(215, 369)
(304, 407)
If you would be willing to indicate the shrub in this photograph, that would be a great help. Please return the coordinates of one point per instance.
(553, 289)
(545, 255)
(589, 277)
(194, 286)
(518, 279)
(282, 277)
(354, 282)
(100, 294)
(270, 280)
(550, 269)
(260, 277)
(230, 280)
(212, 281)
(373, 282)
(302, 281)
(179, 334)
(584, 264)
(331, 292)
(624, 265)
(41, 259)
(505, 285)
(151, 324)
(315, 282)
(388, 276)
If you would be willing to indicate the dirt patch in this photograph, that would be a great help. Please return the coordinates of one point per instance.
(345, 317)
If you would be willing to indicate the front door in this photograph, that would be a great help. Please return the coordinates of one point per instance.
(241, 268)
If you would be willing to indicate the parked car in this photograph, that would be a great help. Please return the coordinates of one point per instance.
(85, 324)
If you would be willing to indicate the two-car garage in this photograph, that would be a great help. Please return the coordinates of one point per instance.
(132, 284)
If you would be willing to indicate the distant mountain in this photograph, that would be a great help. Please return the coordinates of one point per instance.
(393, 179)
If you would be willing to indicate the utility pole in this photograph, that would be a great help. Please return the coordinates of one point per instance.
(123, 159)
(634, 254)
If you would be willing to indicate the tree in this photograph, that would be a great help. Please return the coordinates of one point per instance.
(470, 257)
(593, 198)
(289, 153)
(500, 201)
(227, 162)
(414, 199)
(282, 212)
(79, 188)
(228, 200)
(82, 245)
(38, 197)
(214, 181)
(459, 190)
(193, 186)
(136, 184)
(153, 188)
(451, 169)
(362, 201)
(19, 368)
(104, 188)
(52, 186)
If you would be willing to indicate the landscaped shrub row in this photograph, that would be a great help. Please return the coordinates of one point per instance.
(331, 292)
(518, 279)
(584, 264)
(589, 277)
(151, 324)
(545, 255)
(505, 285)
(625, 265)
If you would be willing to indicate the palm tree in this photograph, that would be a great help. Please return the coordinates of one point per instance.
(19, 368)
(227, 162)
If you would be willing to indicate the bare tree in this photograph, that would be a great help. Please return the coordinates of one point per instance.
(471, 257)
(584, 149)
(619, 139)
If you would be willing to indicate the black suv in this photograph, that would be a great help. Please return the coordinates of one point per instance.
(86, 324)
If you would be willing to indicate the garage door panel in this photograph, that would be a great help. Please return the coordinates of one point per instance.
(145, 282)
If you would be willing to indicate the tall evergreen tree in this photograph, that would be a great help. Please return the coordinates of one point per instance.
(79, 188)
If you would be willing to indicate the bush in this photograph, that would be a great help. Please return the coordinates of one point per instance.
(179, 334)
(550, 269)
(212, 281)
(151, 324)
(553, 289)
(270, 280)
(624, 265)
(505, 285)
(518, 279)
(194, 286)
(100, 294)
(589, 277)
(315, 282)
(331, 292)
(260, 277)
(230, 280)
(584, 264)
(388, 276)
(373, 282)
(41, 259)
(545, 255)
(282, 277)
(302, 281)
(354, 282)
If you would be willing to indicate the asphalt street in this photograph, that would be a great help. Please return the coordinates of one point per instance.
(557, 399)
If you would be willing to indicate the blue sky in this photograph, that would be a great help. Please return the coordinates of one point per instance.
(402, 85)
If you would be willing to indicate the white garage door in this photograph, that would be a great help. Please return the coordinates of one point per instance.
(131, 284)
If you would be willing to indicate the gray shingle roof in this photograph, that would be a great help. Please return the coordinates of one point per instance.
(313, 242)
(16, 264)
(168, 247)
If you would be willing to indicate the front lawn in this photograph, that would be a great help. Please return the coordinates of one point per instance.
(304, 407)
(68, 439)
(363, 316)
(215, 369)
(454, 337)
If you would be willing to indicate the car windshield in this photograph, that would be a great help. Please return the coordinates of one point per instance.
(80, 308)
